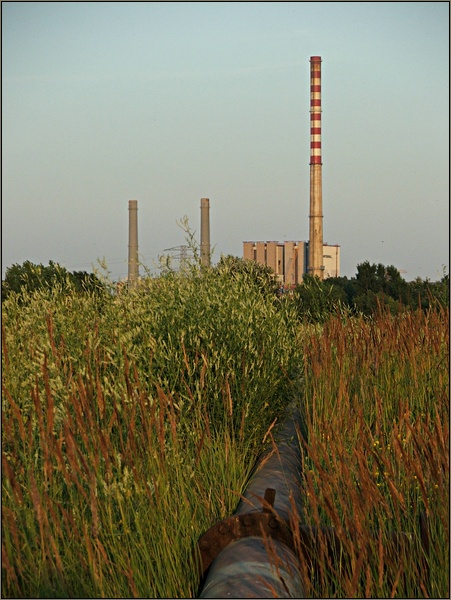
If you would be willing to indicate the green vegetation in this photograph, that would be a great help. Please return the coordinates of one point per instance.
(374, 286)
(131, 422)
(130, 426)
(28, 278)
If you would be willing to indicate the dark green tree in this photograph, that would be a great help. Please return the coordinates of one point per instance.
(87, 282)
(423, 293)
(377, 285)
(368, 278)
(349, 286)
(29, 277)
(440, 290)
(316, 300)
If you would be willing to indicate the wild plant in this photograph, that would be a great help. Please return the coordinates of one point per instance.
(377, 456)
(129, 429)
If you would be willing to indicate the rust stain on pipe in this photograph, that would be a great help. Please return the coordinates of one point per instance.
(251, 554)
(261, 552)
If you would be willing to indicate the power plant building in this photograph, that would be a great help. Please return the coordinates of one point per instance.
(289, 259)
(331, 260)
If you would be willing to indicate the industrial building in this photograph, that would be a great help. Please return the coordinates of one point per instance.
(291, 260)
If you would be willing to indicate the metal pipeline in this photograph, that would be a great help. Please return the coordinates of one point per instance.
(251, 554)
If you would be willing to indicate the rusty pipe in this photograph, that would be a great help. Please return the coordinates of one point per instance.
(253, 553)
(256, 557)
(246, 568)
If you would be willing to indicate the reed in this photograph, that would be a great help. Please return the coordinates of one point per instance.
(377, 455)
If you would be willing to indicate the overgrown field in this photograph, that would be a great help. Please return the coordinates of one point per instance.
(377, 455)
(131, 423)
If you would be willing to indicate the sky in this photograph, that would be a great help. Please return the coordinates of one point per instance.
(170, 102)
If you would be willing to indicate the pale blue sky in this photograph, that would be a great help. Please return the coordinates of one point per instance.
(168, 102)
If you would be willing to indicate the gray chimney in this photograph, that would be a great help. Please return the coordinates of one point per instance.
(133, 272)
(205, 232)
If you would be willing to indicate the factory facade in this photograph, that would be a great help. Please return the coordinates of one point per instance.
(290, 259)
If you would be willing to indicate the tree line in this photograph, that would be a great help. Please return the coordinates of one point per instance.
(29, 277)
(373, 286)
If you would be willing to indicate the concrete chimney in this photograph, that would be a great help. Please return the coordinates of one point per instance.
(315, 251)
(133, 272)
(205, 232)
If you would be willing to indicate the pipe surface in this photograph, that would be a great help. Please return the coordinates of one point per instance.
(262, 567)
(248, 569)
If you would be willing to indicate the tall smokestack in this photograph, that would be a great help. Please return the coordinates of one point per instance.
(315, 261)
(205, 232)
(133, 272)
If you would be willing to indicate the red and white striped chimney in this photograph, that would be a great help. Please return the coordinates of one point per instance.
(315, 261)
(315, 110)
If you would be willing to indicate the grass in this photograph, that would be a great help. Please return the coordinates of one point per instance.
(131, 424)
(129, 429)
(377, 455)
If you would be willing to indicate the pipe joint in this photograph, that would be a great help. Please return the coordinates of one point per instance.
(263, 524)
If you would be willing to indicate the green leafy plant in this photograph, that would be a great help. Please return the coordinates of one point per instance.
(129, 429)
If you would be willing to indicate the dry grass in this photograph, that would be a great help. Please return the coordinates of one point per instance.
(377, 456)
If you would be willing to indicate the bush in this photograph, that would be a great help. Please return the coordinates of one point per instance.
(316, 300)
(25, 279)
(128, 432)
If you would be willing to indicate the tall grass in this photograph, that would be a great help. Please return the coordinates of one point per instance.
(131, 424)
(129, 428)
(377, 455)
